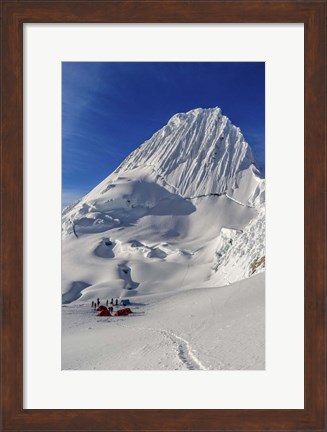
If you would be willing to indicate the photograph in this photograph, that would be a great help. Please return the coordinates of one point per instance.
(163, 216)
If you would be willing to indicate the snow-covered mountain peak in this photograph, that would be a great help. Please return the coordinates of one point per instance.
(198, 153)
(196, 112)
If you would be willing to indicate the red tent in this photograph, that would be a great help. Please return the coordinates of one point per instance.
(123, 312)
(104, 312)
(101, 308)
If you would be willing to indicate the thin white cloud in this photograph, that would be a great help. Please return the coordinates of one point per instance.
(70, 196)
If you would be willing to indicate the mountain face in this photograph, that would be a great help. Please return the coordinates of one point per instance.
(187, 205)
(196, 153)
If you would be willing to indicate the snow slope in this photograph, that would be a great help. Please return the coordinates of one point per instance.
(182, 214)
(201, 329)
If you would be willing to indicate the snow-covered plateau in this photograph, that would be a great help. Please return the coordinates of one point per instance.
(179, 230)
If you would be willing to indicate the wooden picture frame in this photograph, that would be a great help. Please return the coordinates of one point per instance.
(14, 15)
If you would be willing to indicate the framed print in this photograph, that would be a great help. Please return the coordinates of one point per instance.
(163, 216)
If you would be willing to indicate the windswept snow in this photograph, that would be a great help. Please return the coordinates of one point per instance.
(178, 228)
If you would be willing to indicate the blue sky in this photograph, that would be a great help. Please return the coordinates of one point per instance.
(109, 109)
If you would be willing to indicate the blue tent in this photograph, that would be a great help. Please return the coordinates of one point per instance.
(125, 302)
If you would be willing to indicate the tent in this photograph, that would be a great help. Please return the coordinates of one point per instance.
(101, 308)
(125, 302)
(123, 312)
(104, 312)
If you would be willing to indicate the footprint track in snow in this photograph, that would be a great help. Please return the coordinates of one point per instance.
(183, 349)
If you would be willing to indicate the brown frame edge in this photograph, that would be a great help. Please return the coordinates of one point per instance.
(14, 15)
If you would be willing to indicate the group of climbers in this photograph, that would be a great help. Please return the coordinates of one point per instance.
(109, 310)
(96, 304)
